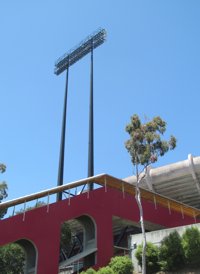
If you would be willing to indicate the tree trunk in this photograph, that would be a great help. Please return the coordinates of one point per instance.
(139, 203)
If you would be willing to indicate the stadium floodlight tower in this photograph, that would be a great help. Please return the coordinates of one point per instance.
(63, 63)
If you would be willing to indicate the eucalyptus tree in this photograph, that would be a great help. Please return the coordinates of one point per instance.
(3, 190)
(145, 146)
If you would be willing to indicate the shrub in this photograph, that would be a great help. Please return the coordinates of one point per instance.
(191, 246)
(152, 258)
(171, 252)
(121, 265)
(105, 270)
(11, 259)
(89, 271)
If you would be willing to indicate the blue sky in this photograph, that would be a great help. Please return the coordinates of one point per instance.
(150, 65)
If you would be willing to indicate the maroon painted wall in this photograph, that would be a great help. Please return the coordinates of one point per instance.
(43, 228)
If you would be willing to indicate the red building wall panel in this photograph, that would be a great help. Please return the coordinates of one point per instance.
(43, 228)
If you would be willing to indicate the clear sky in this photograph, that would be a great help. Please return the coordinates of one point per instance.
(150, 65)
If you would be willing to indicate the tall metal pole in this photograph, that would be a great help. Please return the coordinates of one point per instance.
(62, 142)
(63, 63)
(91, 126)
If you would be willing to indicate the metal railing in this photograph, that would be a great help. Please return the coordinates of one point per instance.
(70, 189)
(106, 181)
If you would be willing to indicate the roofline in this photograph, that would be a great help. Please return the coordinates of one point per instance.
(112, 182)
(172, 171)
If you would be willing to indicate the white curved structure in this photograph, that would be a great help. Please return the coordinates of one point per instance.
(179, 181)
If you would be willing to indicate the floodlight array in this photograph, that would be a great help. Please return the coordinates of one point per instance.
(75, 54)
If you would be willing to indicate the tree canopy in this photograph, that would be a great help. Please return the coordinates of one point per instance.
(191, 246)
(11, 259)
(3, 190)
(3, 185)
(152, 257)
(145, 144)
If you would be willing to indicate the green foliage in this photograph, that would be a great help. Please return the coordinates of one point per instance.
(145, 144)
(65, 237)
(175, 252)
(2, 168)
(191, 246)
(121, 265)
(3, 195)
(105, 270)
(152, 257)
(117, 265)
(171, 252)
(11, 259)
(3, 185)
(89, 271)
(3, 190)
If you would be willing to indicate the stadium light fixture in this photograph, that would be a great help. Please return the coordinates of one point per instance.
(63, 63)
(83, 48)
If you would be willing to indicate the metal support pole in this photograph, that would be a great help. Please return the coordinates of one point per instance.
(62, 142)
(91, 127)
(63, 63)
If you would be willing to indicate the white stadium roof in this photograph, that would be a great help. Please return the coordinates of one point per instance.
(179, 181)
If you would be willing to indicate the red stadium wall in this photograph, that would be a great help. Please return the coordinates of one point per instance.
(43, 228)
